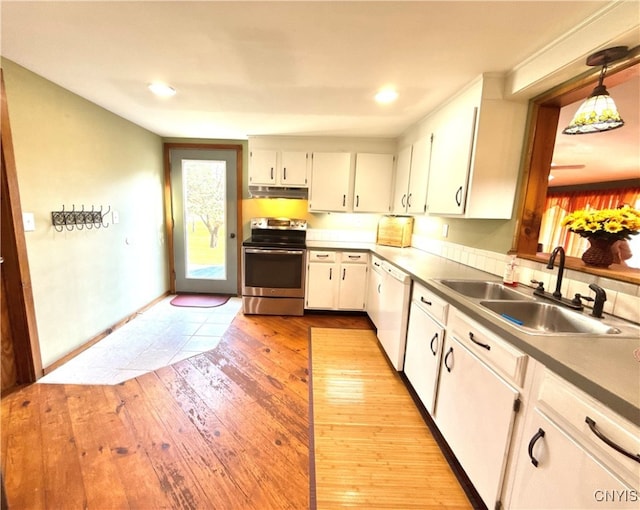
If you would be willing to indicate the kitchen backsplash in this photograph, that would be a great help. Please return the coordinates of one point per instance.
(623, 299)
(341, 236)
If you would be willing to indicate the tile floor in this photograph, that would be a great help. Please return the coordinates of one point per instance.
(160, 336)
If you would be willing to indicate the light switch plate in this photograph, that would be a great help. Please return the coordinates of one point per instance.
(28, 221)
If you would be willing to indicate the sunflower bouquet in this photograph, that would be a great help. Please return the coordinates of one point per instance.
(612, 224)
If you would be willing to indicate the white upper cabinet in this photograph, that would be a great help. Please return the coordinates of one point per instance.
(403, 173)
(417, 198)
(262, 167)
(374, 177)
(330, 180)
(450, 161)
(294, 168)
(412, 174)
(475, 158)
(278, 168)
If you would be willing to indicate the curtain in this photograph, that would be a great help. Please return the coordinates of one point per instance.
(561, 203)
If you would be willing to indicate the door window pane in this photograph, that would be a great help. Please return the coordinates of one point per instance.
(204, 192)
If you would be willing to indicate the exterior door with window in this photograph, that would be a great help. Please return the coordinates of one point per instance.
(204, 212)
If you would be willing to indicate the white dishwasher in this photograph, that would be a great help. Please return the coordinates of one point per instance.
(393, 313)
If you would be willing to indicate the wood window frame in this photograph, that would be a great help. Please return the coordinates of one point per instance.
(544, 111)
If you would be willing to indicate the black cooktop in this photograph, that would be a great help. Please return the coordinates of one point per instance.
(275, 240)
(277, 233)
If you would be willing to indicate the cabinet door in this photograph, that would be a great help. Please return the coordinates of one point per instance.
(422, 357)
(353, 286)
(419, 179)
(262, 167)
(374, 175)
(566, 476)
(322, 285)
(294, 169)
(330, 178)
(451, 157)
(401, 188)
(475, 413)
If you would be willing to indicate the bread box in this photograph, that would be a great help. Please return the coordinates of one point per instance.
(395, 231)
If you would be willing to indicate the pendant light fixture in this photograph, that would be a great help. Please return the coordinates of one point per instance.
(599, 112)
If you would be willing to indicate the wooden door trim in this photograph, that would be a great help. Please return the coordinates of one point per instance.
(16, 263)
(168, 210)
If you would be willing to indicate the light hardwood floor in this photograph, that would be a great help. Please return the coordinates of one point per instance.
(372, 448)
(227, 429)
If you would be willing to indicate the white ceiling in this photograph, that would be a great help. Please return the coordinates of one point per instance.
(277, 68)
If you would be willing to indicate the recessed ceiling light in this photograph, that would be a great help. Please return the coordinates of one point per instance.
(386, 96)
(162, 89)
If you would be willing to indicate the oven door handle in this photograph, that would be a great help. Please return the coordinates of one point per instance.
(278, 252)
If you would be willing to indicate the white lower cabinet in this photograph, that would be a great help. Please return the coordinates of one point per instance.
(525, 437)
(562, 463)
(336, 280)
(322, 285)
(353, 281)
(422, 357)
(425, 339)
(475, 412)
(556, 472)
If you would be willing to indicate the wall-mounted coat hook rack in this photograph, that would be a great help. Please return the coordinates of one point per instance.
(78, 219)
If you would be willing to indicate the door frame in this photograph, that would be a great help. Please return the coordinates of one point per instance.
(15, 270)
(168, 210)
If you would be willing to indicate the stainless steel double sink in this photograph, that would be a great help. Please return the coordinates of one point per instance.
(533, 315)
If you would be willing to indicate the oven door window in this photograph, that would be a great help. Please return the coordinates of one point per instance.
(273, 269)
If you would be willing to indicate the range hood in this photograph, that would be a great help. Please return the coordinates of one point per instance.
(278, 192)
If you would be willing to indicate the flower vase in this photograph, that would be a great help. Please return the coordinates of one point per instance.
(599, 253)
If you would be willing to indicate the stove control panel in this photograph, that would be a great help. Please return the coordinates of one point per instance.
(278, 223)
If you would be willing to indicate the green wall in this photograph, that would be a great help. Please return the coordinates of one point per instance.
(69, 152)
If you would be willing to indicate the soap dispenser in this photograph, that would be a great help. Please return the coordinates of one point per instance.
(509, 276)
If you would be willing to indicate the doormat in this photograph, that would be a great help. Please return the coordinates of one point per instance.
(199, 300)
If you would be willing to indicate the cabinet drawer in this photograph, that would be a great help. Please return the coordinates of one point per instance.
(429, 302)
(499, 354)
(355, 257)
(322, 256)
(571, 406)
